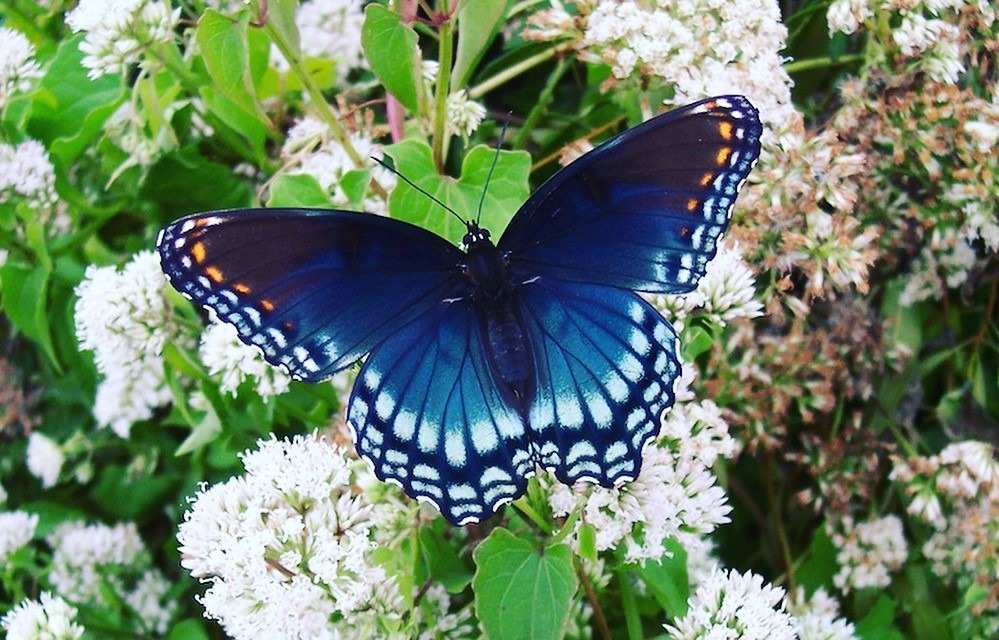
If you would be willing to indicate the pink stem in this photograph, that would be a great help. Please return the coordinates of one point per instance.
(395, 117)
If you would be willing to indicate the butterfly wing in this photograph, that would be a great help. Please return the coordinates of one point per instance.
(428, 414)
(314, 289)
(605, 362)
(645, 210)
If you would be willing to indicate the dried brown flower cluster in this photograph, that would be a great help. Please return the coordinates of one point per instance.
(16, 415)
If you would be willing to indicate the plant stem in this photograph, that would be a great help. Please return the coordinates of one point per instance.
(325, 111)
(819, 63)
(513, 71)
(441, 95)
(591, 596)
(632, 619)
(539, 108)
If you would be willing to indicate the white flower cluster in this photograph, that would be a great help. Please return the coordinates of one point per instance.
(124, 318)
(734, 605)
(18, 69)
(464, 115)
(818, 617)
(226, 356)
(700, 47)
(17, 528)
(45, 458)
(726, 293)
(27, 173)
(332, 29)
(286, 545)
(962, 473)
(48, 618)
(926, 30)
(311, 149)
(675, 492)
(87, 556)
(867, 552)
(118, 31)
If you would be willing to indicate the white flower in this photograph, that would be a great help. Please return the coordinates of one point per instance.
(18, 69)
(733, 605)
(311, 149)
(699, 431)
(117, 31)
(226, 356)
(817, 618)
(48, 618)
(245, 537)
(672, 493)
(17, 528)
(332, 29)
(867, 552)
(915, 34)
(84, 553)
(700, 49)
(846, 16)
(728, 289)
(45, 459)
(26, 172)
(148, 599)
(124, 318)
(463, 114)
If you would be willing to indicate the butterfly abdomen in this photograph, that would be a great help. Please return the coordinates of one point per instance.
(511, 358)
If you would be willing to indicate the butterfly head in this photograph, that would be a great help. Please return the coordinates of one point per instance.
(475, 236)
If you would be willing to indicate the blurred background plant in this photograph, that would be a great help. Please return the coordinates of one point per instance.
(829, 471)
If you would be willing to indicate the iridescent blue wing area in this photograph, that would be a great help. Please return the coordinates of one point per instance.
(314, 289)
(428, 414)
(605, 362)
(645, 210)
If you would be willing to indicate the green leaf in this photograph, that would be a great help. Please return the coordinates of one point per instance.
(183, 181)
(877, 624)
(819, 565)
(695, 342)
(297, 190)
(51, 515)
(24, 299)
(478, 23)
(69, 108)
(440, 561)
(507, 191)
(203, 433)
(126, 497)
(588, 542)
(238, 119)
(225, 51)
(354, 184)
(394, 54)
(281, 17)
(521, 591)
(189, 629)
(321, 70)
(667, 579)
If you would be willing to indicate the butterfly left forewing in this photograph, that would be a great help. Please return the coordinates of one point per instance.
(605, 362)
(313, 289)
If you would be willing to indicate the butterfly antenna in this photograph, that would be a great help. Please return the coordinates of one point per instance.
(489, 176)
(412, 184)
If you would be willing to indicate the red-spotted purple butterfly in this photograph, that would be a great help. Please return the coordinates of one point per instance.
(488, 361)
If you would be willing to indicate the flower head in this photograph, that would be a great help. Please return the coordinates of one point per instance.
(17, 528)
(117, 31)
(45, 458)
(867, 552)
(226, 356)
(18, 69)
(48, 618)
(734, 605)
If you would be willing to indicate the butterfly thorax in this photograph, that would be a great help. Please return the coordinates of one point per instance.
(486, 268)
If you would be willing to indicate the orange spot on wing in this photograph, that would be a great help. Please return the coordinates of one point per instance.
(725, 129)
(200, 222)
(692, 204)
(215, 274)
(198, 252)
(266, 304)
(723, 155)
(241, 288)
(706, 179)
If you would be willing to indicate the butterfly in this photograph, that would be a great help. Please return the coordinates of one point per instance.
(488, 361)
